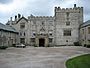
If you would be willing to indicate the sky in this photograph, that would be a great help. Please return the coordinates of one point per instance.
(10, 8)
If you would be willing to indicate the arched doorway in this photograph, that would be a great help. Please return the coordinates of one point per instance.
(41, 42)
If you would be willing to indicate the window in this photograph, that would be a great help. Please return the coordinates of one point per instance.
(83, 31)
(20, 34)
(34, 34)
(68, 23)
(24, 33)
(67, 33)
(88, 41)
(22, 25)
(22, 40)
(50, 34)
(43, 23)
(50, 40)
(88, 30)
(67, 18)
(32, 39)
(67, 13)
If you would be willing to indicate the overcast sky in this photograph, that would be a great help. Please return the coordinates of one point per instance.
(10, 8)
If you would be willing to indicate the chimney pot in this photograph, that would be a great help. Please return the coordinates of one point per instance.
(11, 18)
(19, 15)
(74, 5)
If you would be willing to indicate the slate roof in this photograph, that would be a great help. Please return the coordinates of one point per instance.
(7, 28)
(87, 23)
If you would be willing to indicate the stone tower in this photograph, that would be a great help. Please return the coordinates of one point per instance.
(67, 22)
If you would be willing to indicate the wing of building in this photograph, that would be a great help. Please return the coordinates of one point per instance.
(57, 30)
(85, 33)
(8, 35)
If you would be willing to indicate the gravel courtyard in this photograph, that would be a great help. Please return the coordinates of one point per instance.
(39, 57)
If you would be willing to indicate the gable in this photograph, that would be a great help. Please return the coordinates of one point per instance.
(22, 19)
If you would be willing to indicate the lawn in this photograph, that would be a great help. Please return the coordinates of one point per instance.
(82, 61)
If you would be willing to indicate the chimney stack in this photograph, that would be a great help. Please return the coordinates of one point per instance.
(15, 18)
(74, 5)
(19, 15)
(10, 18)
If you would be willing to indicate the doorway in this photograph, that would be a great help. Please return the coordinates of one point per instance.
(41, 42)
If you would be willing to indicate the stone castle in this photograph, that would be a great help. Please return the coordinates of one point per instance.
(57, 30)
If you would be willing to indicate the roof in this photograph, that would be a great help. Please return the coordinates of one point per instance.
(87, 23)
(7, 28)
(21, 19)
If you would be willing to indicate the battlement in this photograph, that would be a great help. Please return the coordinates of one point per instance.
(74, 9)
(40, 17)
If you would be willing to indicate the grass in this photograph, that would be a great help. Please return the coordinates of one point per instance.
(82, 61)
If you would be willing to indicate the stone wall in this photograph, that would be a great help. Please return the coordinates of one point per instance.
(52, 26)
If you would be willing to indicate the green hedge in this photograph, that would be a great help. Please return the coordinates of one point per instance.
(77, 44)
(35, 45)
(88, 46)
(3, 47)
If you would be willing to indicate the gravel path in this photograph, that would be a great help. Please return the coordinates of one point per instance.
(39, 57)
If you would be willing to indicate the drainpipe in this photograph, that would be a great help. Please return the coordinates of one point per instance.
(85, 35)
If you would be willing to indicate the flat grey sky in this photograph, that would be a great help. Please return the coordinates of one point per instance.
(10, 8)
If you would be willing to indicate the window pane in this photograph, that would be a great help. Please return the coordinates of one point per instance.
(22, 25)
(24, 33)
(68, 23)
(89, 41)
(22, 40)
(32, 39)
(67, 33)
(88, 30)
(83, 31)
(50, 40)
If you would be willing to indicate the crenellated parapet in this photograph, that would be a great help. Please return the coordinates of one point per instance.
(60, 13)
(40, 17)
(74, 9)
